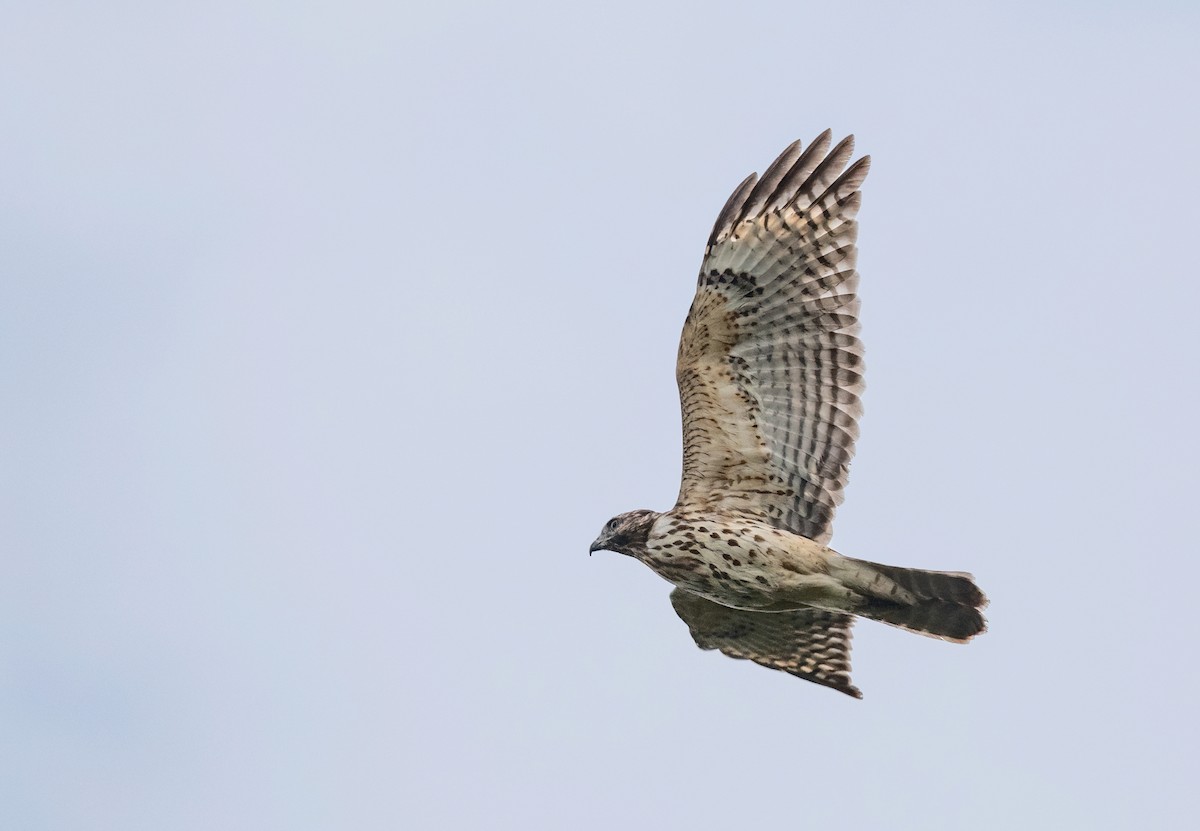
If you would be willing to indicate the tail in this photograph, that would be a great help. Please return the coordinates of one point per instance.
(942, 604)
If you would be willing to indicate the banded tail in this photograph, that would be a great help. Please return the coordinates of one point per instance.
(944, 604)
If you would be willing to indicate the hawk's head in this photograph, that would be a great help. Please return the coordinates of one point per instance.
(626, 533)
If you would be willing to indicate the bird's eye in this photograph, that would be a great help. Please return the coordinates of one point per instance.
(612, 523)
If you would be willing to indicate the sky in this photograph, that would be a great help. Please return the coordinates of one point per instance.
(331, 334)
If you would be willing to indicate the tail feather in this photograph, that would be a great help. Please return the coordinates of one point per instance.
(955, 586)
(947, 603)
(938, 618)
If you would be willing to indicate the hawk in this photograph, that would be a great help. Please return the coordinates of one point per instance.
(770, 373)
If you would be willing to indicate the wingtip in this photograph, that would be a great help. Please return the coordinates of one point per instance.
(733, 207)
(791, 148)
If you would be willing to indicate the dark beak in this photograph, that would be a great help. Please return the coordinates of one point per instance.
(598, 545)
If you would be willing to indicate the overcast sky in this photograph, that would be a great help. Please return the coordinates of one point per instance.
(330, 335)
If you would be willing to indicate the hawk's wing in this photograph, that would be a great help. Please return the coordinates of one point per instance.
(770, 364)
(811, 644)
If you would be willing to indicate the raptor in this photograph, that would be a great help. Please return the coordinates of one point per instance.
(770, 374)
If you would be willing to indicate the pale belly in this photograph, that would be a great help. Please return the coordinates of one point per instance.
(745, 564)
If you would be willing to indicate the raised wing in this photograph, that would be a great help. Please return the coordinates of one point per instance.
(770, 364)
(810, 644)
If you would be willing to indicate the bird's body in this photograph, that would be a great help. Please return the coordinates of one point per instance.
(743, 563)
(769, 374)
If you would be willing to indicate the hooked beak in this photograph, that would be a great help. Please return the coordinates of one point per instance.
(598, 545)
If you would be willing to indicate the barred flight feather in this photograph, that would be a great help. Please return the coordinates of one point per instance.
(811, 644)
(770, 365)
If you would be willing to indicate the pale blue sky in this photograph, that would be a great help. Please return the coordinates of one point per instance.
(330, 334)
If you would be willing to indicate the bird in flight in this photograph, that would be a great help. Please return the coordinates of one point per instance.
(770, 374)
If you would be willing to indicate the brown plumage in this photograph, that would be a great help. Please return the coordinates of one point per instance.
(810, 643)
(770, 374)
